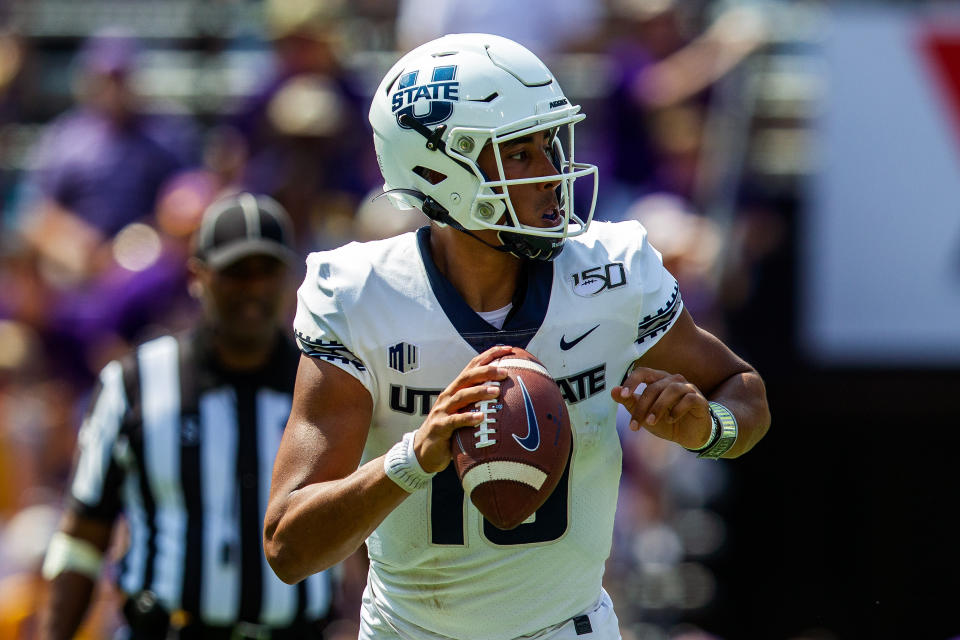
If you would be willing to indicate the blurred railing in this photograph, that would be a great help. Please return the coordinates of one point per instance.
(145, 18)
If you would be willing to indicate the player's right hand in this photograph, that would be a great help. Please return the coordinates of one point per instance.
(478, 381)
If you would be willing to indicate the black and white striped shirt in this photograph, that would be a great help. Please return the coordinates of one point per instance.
(185, 450)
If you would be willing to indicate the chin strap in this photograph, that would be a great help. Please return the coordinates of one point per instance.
(434, 137)
(436, 212)
(530, 247)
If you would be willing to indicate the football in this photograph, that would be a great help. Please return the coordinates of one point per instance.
(510, 463)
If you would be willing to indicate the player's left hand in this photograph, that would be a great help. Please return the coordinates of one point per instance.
(666, 405)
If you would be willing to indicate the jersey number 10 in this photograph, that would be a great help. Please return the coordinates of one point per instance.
(448, 517)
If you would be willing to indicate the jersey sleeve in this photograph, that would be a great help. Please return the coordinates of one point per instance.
(98, 475)
(321, 325)
(660, 299)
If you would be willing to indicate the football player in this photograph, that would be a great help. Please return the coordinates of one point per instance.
(399, 338)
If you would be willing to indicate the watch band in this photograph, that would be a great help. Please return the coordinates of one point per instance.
(727, 436)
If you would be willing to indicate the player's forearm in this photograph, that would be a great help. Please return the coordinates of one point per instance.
(63, 612)
(744, 394)
(321, 524)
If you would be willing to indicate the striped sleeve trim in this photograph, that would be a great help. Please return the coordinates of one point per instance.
(97, 440)
(662, 319)
(329, 350)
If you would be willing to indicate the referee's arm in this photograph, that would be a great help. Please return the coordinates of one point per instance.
(75, 554)
(70, 591)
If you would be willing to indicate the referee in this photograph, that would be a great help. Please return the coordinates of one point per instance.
(180, 439)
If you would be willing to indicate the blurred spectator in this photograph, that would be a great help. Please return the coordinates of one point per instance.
(184, 198)
(13, 60)
(83, 324)
(691, 247)
(305, 129)
(546, 27)
(22, 587)
(662, 72)
(36, 436)
(101, 164)
(91, 274)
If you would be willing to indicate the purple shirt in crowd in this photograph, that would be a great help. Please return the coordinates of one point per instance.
(106, 174)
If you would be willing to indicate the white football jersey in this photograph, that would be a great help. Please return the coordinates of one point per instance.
(383, 312)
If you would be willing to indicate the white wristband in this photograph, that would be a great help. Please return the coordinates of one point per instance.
(401, 466)
(66, 553)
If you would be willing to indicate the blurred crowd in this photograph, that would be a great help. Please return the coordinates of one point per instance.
(113, 142)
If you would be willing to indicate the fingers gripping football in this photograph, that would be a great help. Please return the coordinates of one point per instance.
(667, 405)
(478, 381)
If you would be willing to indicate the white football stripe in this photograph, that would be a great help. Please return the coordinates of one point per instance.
(520, 363)
(503, 470)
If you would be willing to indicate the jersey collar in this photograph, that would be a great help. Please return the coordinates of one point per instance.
(529, 305)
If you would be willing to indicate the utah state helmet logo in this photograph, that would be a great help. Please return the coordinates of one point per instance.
(440, 93)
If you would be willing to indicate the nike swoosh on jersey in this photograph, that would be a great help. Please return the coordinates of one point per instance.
(564, 345)
(531, 441)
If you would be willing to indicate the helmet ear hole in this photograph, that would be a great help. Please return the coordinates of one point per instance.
(430, 175)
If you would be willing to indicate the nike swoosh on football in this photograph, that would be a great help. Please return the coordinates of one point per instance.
(564, 345)
(531, 441)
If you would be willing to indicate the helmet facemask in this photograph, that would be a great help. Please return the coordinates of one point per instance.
(494, 208)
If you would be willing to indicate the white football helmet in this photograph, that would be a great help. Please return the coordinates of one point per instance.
(441, 104)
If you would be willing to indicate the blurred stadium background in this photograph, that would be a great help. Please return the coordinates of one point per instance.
(797, 162)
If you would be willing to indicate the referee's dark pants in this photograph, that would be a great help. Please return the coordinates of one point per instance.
(147, 620)
(240, 631)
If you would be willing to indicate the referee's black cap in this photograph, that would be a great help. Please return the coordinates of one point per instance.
(243, 225)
